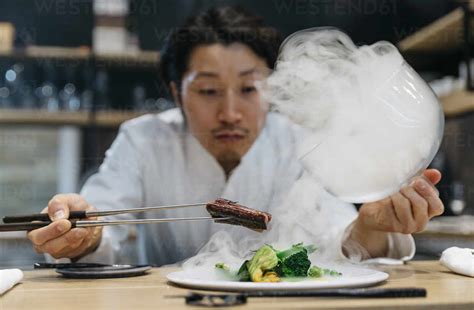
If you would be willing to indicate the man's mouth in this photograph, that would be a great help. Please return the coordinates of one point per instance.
(229, 136)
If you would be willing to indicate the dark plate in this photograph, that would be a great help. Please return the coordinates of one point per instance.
(115, 271)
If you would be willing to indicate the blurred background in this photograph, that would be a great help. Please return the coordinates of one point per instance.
(71, 71)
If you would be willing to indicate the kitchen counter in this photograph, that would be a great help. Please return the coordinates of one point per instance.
(45, 289)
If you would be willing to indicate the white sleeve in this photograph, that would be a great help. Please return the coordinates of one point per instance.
(401, 248)
(117, 185)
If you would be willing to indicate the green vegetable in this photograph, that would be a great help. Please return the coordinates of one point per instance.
(243, 273)
(222, 266)
(269, 265)
(265, 259)
(332, 272)
(317, 272)
(293, 262)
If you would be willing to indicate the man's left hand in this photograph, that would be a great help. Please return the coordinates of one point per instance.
(407, 212)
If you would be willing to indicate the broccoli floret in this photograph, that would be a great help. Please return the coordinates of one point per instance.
(293, 262)
(222, 266)
(265, 259)
(296, 265)
(296, 248)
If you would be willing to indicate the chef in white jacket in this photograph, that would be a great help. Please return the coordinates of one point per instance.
(221, 141)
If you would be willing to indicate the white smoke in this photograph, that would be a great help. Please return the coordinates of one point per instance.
(308, 214)
(375, 123)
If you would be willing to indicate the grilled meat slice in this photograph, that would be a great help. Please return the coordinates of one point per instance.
(238, 214)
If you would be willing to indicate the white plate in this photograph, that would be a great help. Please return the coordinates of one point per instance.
(212, 279)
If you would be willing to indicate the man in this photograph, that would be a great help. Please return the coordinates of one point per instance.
(221, 142)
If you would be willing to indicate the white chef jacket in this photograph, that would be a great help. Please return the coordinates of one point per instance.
(155, 160)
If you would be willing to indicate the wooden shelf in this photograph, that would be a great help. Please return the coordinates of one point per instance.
(26, 117)
(56, 52)
(114, 118)
(139, 58)
(457, 103)
(143, 58)
(60, 118)
(443, 35)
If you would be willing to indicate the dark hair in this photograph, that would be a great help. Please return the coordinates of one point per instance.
(225, 25)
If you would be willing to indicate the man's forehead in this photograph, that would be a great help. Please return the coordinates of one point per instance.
(255, 71)
(196, 76)
(217, 60)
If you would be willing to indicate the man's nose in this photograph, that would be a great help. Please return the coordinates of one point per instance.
(229, 111)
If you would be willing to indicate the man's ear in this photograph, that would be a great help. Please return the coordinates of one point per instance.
(175, 94)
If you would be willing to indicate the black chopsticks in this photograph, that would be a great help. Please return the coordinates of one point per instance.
(74, 223)
(225, 300)
(345, 292)
(44, 217)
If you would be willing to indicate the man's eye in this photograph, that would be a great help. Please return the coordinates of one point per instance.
(208, 92)
(248, 89)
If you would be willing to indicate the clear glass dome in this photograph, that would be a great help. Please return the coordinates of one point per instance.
(373, 123)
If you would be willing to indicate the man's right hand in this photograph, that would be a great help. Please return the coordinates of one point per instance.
(58, 239)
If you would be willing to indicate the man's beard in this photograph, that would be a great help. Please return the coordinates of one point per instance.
(229, 160)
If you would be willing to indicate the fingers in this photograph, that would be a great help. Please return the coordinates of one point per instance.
(68, 241)
(54, 230)
(407, 211)
(84, 245)
(81, 249)
(57, 208)
(433, 175)
(436, 206)
(58, 239)
(70, 251)
(403, 211)
(60, 205)
(419, 208)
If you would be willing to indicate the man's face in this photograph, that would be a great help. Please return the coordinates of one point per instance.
(220, 100)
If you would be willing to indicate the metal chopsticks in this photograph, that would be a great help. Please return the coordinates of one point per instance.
(74, 223)
(33, 221)
(86, 214)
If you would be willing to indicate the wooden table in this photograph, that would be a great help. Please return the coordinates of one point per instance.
(44, 289)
